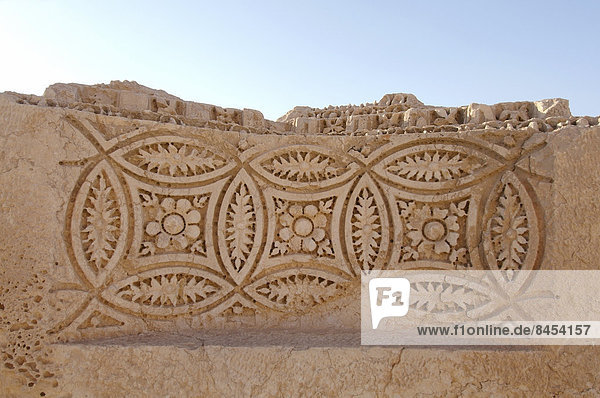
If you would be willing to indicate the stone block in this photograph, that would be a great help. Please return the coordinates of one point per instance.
(133, 101)
(197, 111)
(552, 107)
(253, 118)
(479, 113)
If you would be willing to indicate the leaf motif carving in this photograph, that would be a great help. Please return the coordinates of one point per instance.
(509, 230)
(436, 166)
(512, 234)
(304, 166)
(173, 159)
(167, 291)
(443, 297)
(102, 223)
(240, 219)
(177, 160)
(296, 289)
(367, 227)
(99, 223)
(239, 231)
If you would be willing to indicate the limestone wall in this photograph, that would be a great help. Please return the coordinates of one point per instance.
(150, 245)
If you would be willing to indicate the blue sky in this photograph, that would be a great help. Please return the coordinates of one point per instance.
(273, 55)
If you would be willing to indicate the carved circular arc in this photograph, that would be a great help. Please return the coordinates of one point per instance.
(99, 223)
(366, 227)
(304, 166)
(460, 292)
(511, 235)
(295, 289)
(436, 166)
(167, 291)
(241, 221)
(173, 159)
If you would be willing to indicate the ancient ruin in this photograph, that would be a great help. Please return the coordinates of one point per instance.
(154, 244)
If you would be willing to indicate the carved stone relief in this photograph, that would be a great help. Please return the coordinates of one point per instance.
(170, 225)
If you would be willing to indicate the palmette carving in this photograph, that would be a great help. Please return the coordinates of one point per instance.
(241, 220)
(172, 159)
(367, 227)
(304, 166)
(440, 166)
(295, 289)
(99, 224)
(511, 237)
(167, 291)
(102, 223)
(175, 159)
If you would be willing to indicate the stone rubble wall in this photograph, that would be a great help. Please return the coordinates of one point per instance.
(393, 114)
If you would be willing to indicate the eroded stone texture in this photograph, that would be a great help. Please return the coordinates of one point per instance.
(142, 234)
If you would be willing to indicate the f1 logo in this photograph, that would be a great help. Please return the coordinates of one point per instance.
(388, 297)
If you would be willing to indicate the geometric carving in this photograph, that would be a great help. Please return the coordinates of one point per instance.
(172, 159)
(209, 232)
(303, 166)
(167, 291)
(295, 289)
(434, 231)
(198, 217)
(435, 167)
(366, 227)
(241, 220)
(173, 224)
(99, 223)
(511, 238)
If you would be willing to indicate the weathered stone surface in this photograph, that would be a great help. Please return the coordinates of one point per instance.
(151, 245)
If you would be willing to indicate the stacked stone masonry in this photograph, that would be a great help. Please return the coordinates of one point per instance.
(141, 233)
